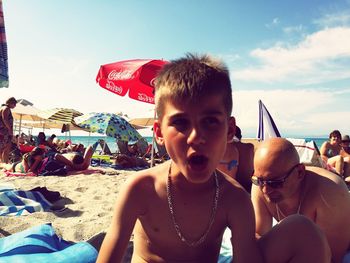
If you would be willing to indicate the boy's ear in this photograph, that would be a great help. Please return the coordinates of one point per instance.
(158, 133)
(231, 131)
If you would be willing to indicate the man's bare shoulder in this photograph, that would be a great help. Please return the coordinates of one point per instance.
(321, 174)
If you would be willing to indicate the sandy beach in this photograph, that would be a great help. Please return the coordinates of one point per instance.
(87, 201)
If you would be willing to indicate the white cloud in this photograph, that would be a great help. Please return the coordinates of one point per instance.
(273, 23)
(294, 29)
(316, 55)
(331, 20)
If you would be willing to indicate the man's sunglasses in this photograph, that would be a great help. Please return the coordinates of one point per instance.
(278, 183)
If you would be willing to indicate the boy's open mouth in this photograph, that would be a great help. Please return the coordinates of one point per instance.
(198, 161)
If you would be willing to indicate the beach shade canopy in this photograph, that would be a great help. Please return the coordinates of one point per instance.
(140, 123)
(108, 124)
(46, 124)
(61, 115)
(4, 77)
(133, 76)
(267, 127)
(25, 111)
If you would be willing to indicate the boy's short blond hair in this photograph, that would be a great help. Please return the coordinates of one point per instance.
(188, 79)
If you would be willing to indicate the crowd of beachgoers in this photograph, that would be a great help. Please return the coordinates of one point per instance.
(215, 195)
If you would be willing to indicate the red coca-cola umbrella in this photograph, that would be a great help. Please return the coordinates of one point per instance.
(134, 76)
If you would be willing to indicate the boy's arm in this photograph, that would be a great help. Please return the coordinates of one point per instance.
(242, 225)
(263, 218)
(126, 211)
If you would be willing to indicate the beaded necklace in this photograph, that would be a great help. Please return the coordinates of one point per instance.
(173, 216)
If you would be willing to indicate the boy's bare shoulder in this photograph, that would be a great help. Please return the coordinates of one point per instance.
(232, 191)
(148, 178)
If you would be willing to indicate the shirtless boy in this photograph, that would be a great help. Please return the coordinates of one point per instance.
(283, 186)
(180, 209)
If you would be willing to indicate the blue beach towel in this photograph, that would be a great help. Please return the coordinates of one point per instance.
(16, 202)
(41, 244)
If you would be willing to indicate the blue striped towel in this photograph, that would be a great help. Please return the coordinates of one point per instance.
(17, 202)
(42, 244)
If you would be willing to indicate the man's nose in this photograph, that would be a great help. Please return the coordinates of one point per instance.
(265, 188)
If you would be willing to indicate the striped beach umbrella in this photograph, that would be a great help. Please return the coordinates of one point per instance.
(4, 76)
(62, 115)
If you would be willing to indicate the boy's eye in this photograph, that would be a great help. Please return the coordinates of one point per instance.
(211, 121)
(180, 124)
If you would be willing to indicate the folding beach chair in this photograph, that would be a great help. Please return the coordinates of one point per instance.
(104, 146)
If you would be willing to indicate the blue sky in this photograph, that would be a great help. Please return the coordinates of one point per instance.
(293, 55)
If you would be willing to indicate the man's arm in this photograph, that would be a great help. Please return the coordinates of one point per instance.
(242, 225)
(125, 214)
(263, 218)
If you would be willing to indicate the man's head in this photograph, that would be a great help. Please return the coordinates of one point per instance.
(191, 78)
(11, 102)
(335, 137)
(238, 133)
(277, 170)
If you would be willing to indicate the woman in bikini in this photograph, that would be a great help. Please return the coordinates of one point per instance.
(330, 153)
(30, 162)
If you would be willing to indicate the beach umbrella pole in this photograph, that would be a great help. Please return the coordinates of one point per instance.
(153, 141)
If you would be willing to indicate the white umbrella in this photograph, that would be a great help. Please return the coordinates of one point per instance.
(25, 111)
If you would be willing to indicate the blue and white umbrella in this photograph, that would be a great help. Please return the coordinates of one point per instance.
(109, 124)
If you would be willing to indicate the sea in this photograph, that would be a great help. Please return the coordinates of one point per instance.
(111, 142)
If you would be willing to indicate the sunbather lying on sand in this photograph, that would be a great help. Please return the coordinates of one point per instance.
(75, 161)
(30, 162)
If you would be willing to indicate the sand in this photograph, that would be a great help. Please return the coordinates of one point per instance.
(88, 199)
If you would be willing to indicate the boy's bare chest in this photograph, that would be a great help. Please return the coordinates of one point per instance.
(192, 218)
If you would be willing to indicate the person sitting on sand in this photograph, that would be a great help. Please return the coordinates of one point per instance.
(330, 152)
(178, 210)
(230, 161)
(282, 186)
(30, 162)
(41, 139)
(246, 157)
(345, 153)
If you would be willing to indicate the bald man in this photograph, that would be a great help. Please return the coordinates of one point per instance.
(282, 186)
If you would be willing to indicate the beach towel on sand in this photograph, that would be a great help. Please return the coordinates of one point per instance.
(17, 202)
(41, 244)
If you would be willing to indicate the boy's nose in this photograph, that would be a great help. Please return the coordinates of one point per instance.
(195, 137)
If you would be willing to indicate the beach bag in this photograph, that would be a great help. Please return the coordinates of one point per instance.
(52, 167)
